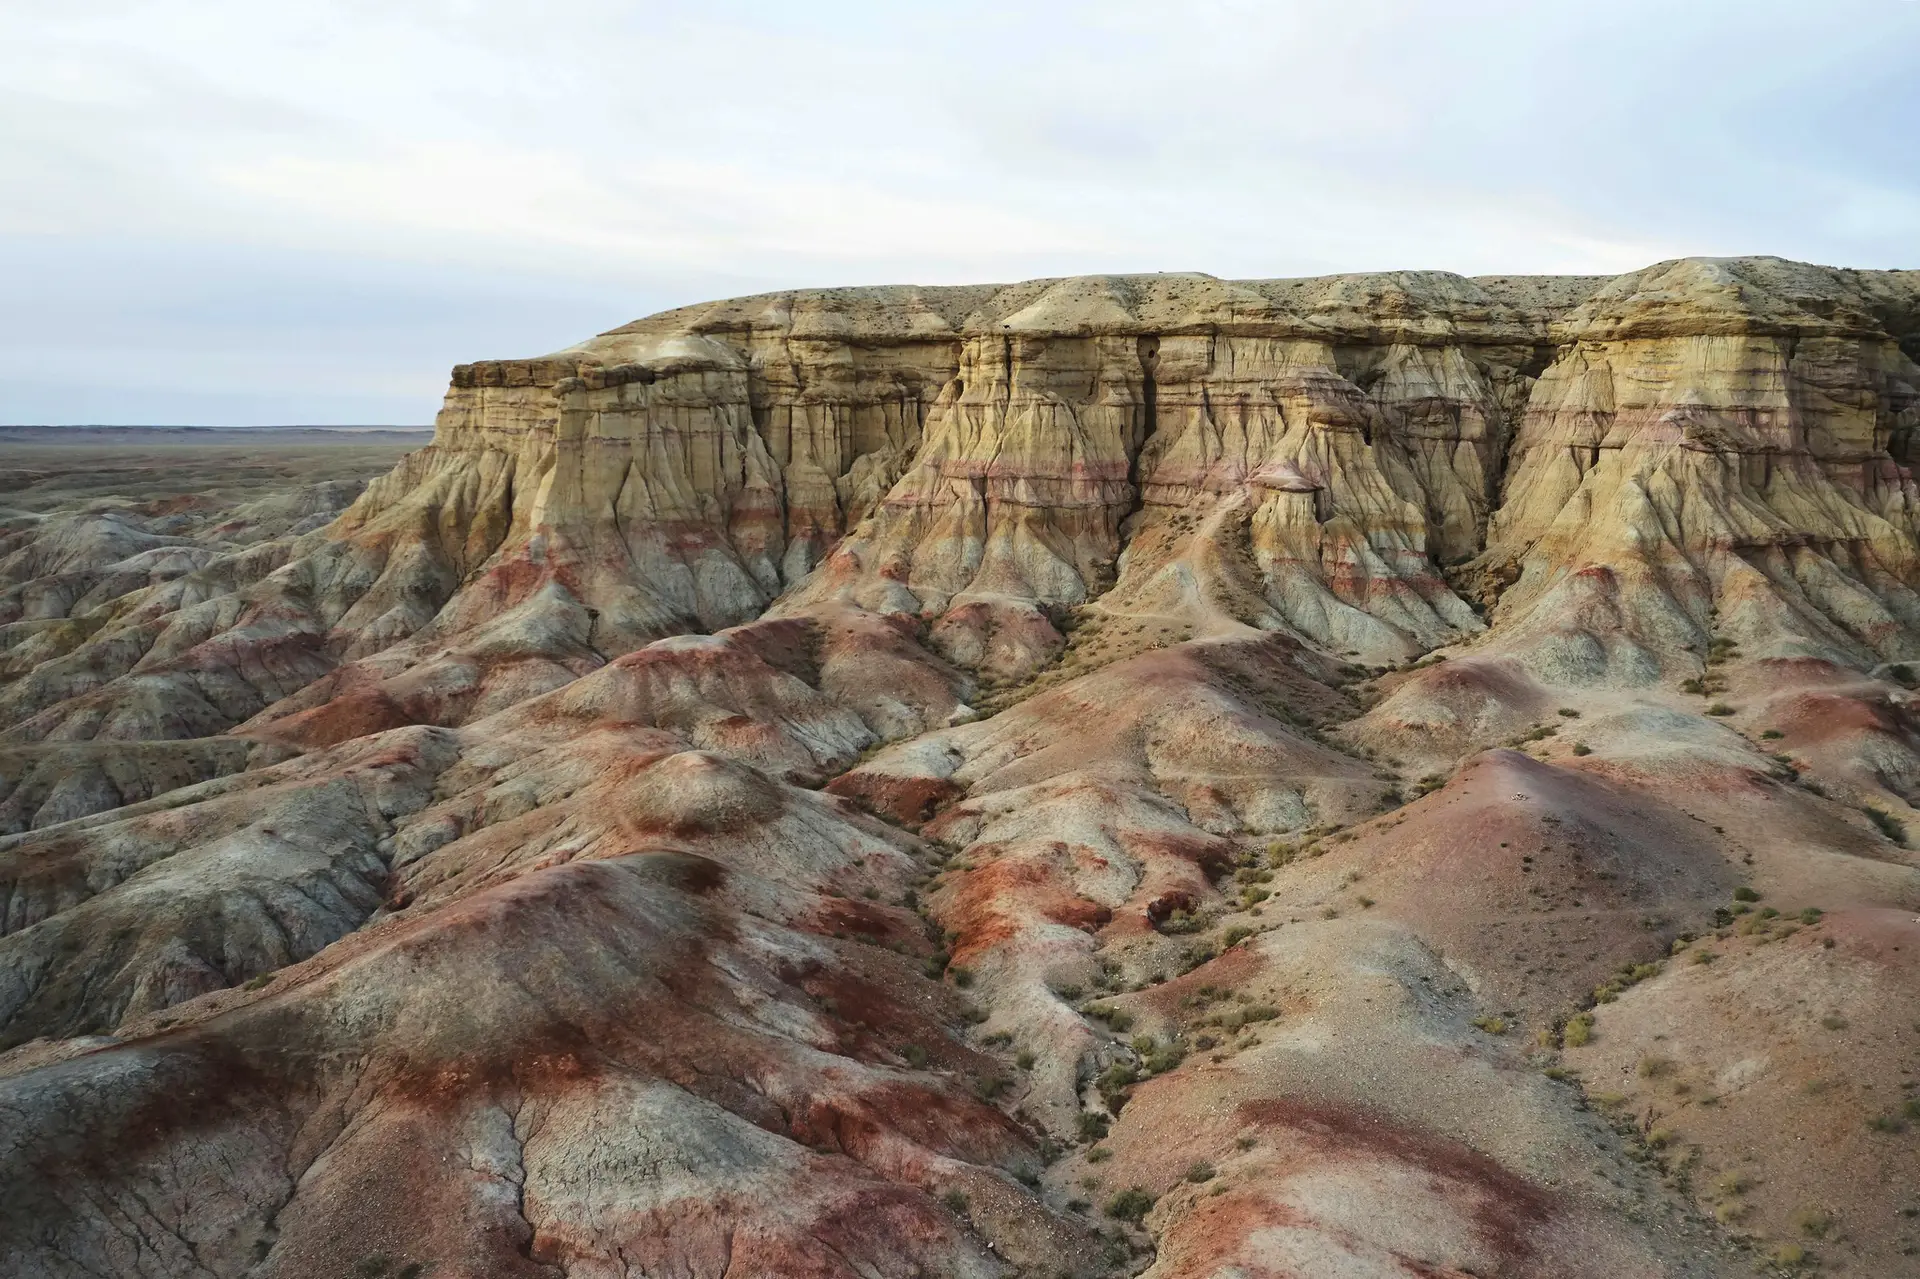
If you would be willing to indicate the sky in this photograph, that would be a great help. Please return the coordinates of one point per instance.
(226, 212)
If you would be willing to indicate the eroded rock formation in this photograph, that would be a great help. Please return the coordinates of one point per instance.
(1137, 773)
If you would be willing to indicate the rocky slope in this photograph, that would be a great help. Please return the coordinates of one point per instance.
(1377, 775)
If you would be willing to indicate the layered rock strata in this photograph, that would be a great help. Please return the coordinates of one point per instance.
(1136, 774)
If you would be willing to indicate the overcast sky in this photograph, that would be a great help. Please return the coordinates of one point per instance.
(230, 211)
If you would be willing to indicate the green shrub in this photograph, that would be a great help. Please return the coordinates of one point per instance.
(1093, 1125)
(1130, 1205)
(1772, 735)
(1579, 1031)
(1745, 894)
(955, 1201)
(1720, 709)
(1581, 748)
(1569, 713)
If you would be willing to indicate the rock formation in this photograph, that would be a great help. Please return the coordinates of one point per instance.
(1095, 776)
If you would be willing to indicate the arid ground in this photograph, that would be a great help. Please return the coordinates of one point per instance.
(1377, 776)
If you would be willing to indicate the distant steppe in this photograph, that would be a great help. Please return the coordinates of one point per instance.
(47, 468)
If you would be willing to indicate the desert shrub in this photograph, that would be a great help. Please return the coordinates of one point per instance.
(1492, 1025)
(914, 1055)
(1813, 1221)
(1581, 748)
(1720, 709)
(1024, 1059)
(1745, 894)
(1181, 922)
(1199, 1171)
(1692, 686)
(1890, 826)
(1569, 713)
(1130, 1204)
(962, 977)
(1235, 935)
(260, 982)
(1811, 915)
(1834, 1021)
(1579, 1031)
(1093, 1125)
(1099, 1154)
(1654, 1067)
(955, 1201)
(1772, 735)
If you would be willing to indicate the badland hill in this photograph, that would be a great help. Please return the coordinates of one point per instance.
(1383, 775)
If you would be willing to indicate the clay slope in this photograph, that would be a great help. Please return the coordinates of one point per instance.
(1378, 775)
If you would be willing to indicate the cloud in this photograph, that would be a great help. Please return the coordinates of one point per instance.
(382, 189)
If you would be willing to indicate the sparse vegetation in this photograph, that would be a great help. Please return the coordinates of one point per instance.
(1720, 709)
(1581, 748)
(1812, 1221)
(1889, 825)
(1200, 1171)
(1492, 1025)
(1130, 1204)
(1578, 1032)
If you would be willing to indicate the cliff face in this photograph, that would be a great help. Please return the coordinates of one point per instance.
(1301, 711)
(1295, 455)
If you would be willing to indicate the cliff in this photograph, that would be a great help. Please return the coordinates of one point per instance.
(1127, 774)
